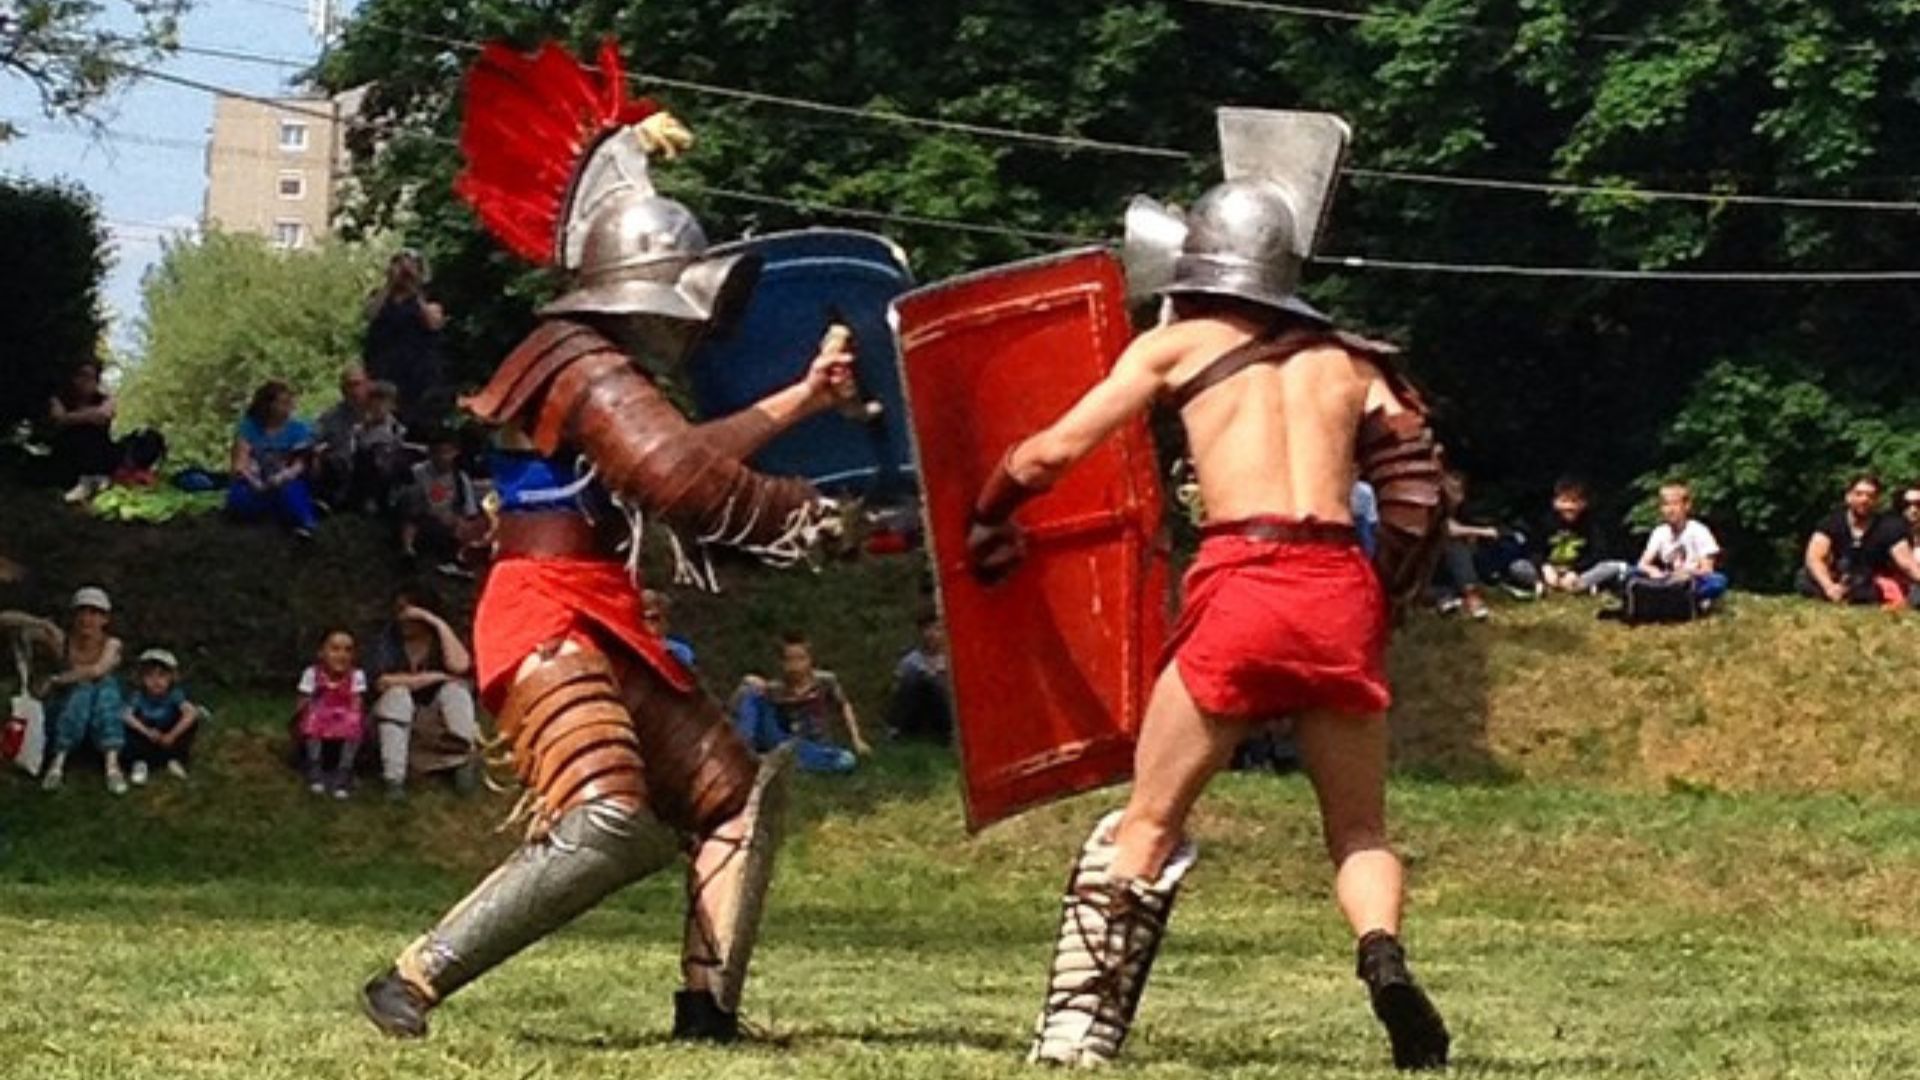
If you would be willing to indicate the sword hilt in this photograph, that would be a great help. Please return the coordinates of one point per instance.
(857, 409)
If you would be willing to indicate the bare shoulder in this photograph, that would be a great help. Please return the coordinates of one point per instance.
(1162, 348)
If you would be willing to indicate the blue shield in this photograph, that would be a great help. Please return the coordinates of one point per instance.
(809, 280)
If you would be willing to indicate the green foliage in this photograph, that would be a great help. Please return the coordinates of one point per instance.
(1770, 451)
(228, 313)
(1535, 377)
(49, 291)
(70, 59)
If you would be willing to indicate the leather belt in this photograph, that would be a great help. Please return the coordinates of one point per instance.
(1284, 531)
(549, 535)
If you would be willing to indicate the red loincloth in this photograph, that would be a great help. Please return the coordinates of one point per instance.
(1275, 628)
(530, 603)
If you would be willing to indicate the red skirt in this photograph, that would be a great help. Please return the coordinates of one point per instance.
(529, 604)
(1274, 628)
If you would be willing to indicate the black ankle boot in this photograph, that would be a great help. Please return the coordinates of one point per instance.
(1414, 1028)
(697, 1016)
(395, 1007)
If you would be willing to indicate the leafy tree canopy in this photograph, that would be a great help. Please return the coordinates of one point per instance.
(228, 313)
(71, 59)
(1537, 376)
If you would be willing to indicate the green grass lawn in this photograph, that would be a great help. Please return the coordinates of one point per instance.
(220, 930)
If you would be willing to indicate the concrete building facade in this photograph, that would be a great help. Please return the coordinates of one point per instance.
(274, 168)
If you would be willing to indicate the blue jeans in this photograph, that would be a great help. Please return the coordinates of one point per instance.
(90, 712)
(1705, 586)
(291, 503)
(758, 723)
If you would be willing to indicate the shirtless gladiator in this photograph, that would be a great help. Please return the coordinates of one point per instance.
(1283, 614)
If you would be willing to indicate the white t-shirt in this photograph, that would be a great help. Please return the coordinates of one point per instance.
(1687, 551)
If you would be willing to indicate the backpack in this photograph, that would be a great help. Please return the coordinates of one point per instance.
(1659, 601)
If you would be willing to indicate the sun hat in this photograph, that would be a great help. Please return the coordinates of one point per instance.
(92, 597)
(160, 658)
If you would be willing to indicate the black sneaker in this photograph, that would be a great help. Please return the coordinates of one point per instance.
(697, 1016)
(1414, 1028)
(395, 1007)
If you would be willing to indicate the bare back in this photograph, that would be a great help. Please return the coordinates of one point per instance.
(1275, 439)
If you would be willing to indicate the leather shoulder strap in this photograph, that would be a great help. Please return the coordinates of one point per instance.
(554, 345)
(1271, 348)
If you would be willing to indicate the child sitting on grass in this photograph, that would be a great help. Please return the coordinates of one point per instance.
(332, 712)
(89, 710)
(161, 723)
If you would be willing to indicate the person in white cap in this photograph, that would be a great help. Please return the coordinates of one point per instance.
(161, 722)
(90, 706)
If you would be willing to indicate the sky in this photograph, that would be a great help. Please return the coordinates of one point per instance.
(148, 190)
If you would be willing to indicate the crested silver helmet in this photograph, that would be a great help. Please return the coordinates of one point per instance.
(1251, 236)
(631, 251)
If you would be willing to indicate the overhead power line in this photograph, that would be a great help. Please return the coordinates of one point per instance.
(242, 56)
(1356, 262)
(211, 88)
(1073, 143)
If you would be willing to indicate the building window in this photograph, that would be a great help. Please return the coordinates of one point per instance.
(293, 135)
(288, 234)
(293, 185)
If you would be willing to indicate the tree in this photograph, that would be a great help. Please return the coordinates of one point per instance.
(1536, 376)
(228, 313)
(49, 292)
(72, 61)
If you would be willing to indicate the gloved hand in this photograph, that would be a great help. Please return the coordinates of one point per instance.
(993, 551)
(995, 545)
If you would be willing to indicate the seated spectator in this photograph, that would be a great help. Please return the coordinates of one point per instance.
(1910, 511)
(1683, 549)
(161, 723)
(803, 705)
(332, 713)
(88, 706)
(421, 688)
(332, 479)
(1459, 576)
(1859, 555)
(656, 610)
(921, 705)
(442, 510)
(1564, 552)
(81, 417)
(270, 450)
(379, 450)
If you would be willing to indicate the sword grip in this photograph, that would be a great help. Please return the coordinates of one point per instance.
(840, 335)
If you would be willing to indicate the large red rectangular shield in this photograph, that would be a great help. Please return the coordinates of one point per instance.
(1052, 667)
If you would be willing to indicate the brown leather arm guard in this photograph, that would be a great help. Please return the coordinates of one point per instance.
(994, 544)
(569, 386)
(1398, 456)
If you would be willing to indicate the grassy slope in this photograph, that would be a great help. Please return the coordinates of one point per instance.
(1775, 695)
(1614, 917)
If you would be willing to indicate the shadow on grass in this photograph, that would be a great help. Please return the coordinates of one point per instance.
(1442, 669)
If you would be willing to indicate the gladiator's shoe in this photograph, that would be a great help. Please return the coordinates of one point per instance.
(1110, 931)
(698, 1017)
(1418, 1035)
(576, 748)
(727, 885)
(394, 1006)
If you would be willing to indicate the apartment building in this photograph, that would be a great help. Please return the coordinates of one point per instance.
(274, 167)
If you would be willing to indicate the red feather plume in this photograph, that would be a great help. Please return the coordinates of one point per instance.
(529, 124)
